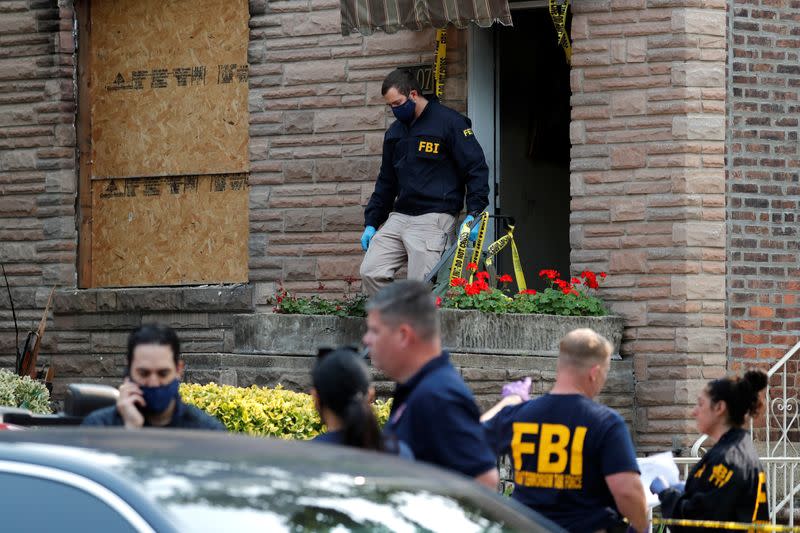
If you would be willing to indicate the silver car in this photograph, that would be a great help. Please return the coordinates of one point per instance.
(113, 480)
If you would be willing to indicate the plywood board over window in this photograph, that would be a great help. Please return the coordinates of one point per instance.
(169, 229)
(165, 186)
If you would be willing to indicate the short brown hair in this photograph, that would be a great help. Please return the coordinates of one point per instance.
(402, 80)
(583, 348)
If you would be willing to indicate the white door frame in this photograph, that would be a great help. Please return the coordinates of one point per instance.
(482, 97)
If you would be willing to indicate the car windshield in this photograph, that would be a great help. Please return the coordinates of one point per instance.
(202, 495)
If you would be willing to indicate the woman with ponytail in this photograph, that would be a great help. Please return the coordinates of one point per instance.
(728, 484)
(343, 396)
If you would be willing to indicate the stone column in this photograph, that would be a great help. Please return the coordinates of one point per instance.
(648, 193)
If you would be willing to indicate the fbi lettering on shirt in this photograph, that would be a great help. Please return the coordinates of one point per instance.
(554, 450)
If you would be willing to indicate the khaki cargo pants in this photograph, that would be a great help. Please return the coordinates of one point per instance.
(419, 240)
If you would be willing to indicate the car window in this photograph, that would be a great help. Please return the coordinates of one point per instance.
(273, 499)
(34, 504)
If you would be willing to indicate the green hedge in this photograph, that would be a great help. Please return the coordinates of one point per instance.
(261, 411)
(16, 391)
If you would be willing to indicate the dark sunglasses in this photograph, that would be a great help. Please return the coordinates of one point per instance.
(362, 353)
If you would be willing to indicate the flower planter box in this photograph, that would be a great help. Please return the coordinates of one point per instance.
(517, 334)
(462, 332)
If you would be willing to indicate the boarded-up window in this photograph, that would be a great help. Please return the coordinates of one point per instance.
(168, 137)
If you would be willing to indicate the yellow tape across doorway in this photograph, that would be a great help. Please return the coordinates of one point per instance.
(558, 12)
(440, 62)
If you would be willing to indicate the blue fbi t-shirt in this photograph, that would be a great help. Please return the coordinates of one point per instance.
(562, 447)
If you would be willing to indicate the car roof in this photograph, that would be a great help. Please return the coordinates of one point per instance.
(87, 452)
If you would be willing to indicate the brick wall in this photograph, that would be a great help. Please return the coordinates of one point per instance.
(648, 192)
(38, 239)
(317, 123)
(763, 192)
(316, 127)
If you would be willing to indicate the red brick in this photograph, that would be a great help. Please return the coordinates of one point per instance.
(762, 312)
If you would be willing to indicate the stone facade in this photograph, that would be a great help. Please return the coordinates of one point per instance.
(38, 237)
(648, 192)
(268, 349)
(663, 91)
(317, 120)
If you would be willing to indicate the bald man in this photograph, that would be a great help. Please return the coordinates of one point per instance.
(573, 458)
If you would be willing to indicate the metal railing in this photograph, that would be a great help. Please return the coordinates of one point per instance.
(781, 437)
(782, 412)
(782, 453)
(783, 474)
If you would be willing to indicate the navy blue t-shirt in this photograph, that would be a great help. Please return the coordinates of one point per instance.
(562, 447)
(435, 414)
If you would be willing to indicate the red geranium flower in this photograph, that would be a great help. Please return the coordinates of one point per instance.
(482, 275)
(528, 291)
(590, 279)
(472, 266)
(438, 301)
(471, 289)
(505, 278)
(458, 282)
(602, 275)
(575, 281)
(549, 274)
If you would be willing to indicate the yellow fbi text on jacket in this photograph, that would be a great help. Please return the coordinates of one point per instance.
(558, 455)
(428, 147)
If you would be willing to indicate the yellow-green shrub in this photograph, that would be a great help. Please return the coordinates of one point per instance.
(16, 391)
(262, 411)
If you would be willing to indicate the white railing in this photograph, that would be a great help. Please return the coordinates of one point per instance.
(782, 419)
(782, 412)
(783, 474)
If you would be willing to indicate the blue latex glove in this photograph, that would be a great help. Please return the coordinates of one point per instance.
(659, 485)
(473, 235)
(521, 388)
(369, 232)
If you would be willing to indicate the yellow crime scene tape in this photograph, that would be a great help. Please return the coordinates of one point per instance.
(461, 252)
(483, 221)
(494, 248)
(558, 12)
(440, 62)
(711, 524)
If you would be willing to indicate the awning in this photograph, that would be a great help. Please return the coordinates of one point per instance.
(365, 16)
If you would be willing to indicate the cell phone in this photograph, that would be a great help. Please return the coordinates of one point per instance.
(140, 408)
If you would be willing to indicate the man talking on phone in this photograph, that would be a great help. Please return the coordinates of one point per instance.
(149, 395)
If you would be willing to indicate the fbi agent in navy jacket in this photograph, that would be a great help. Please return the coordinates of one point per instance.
(431, 161)
(728, 483)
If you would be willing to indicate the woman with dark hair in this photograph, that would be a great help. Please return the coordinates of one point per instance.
(342, 396)
(728, 484)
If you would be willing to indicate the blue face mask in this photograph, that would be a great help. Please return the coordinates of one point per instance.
(157, 399)
(405, 111)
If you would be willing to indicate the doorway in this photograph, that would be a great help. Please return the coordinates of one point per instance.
(531, 149)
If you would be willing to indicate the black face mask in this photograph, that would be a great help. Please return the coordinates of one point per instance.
(405, 111)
